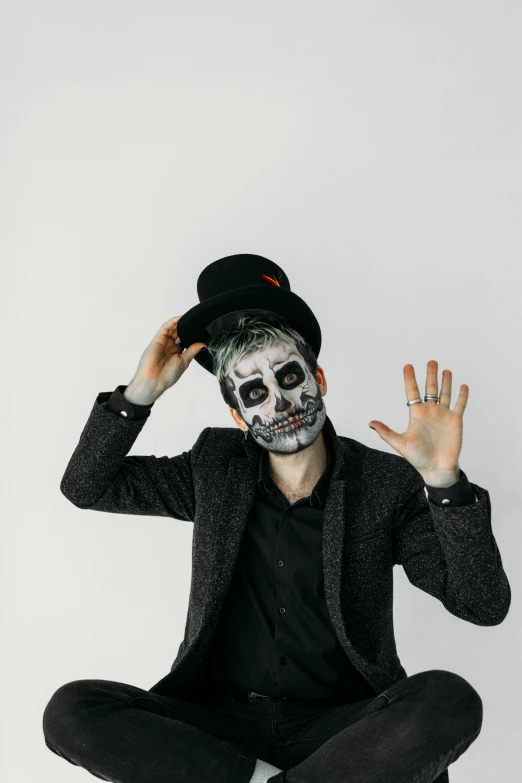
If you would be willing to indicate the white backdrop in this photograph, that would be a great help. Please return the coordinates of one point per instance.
(371, 149)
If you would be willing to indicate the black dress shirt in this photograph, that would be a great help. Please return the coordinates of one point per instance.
(275, 636)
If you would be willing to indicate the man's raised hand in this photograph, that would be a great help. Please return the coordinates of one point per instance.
(161, 365)
(433, 439)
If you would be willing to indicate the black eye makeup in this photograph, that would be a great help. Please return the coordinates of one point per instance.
(288, 377)
(291, 370)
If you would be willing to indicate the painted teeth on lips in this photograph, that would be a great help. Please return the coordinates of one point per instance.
(292, 420)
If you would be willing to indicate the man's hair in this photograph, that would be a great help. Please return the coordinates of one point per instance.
(250, 333)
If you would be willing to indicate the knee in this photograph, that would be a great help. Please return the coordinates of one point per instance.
(62, 710)
(458, 700)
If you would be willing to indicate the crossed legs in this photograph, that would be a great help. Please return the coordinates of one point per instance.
(410, 733)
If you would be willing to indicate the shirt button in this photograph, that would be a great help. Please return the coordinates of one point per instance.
(123, 413)
(283, 660)
(282, 610)
(446, 500)
(280, 562)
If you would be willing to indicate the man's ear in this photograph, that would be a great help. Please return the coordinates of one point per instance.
(321, 380)
(238, 419)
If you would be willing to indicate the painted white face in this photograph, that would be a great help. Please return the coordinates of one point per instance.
(273, 386)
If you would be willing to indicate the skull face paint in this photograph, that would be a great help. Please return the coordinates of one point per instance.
(278, 398)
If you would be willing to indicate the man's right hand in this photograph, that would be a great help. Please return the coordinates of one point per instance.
(162, 364)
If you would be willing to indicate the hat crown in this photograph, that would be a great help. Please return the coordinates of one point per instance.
(238, 271)
(244, 283)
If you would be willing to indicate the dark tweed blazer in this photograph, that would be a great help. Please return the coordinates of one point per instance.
(376, 515)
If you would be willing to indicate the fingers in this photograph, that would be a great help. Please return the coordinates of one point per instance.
(412, 390)
(445, 389)
(191, 351)
(432, 385)
(169, 325)
(169, 328)
(432, 382)
(460, 405)
(174, 328)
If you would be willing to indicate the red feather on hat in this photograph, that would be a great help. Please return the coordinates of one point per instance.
(270, 280)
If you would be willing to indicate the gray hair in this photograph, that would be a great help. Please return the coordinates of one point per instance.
(250, 333)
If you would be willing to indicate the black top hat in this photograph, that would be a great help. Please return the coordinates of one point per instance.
(237, 285)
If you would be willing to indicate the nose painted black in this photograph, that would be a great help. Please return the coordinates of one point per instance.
(282, 404)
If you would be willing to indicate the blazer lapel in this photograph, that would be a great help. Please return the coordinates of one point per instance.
(238, 498)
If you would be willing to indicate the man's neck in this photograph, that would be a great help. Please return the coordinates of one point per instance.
(303, 467)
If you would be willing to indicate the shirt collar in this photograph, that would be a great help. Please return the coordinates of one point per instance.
(319, 492)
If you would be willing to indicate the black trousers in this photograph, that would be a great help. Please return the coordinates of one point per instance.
(409, 733)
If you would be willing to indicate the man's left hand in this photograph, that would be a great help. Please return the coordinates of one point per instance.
(433, 439)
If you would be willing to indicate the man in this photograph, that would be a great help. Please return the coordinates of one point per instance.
(288, 670)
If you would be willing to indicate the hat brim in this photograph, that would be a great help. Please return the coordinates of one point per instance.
(192, 325)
